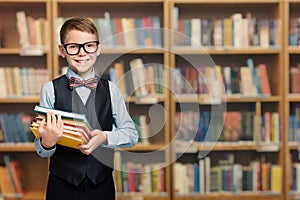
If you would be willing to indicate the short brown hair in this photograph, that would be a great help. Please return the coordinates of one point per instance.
(80, 24)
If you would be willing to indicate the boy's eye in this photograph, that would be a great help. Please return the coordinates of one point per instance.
(90, 45)
(73, 46)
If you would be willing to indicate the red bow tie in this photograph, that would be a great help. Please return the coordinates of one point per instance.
(89, 83)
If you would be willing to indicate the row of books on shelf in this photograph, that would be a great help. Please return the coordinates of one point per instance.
(11, 181)
(294, 31)
(15, 127)
(131, 177)
(142, 126)
(295, 177)
(227, 176)
(126, 31)
(294, 123)
(238, 126)
(247, 80)
(20, 127)
(22, 81)
(138, 78)
(295, 79)
(33, 33)
(235, 31)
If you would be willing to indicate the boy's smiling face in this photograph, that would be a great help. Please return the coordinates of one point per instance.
(83, 62)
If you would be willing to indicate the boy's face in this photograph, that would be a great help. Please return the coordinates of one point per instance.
(83, 62)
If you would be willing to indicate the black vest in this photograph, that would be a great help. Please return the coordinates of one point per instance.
(68, 163)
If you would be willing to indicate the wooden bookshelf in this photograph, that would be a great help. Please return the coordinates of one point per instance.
(291, 100)
(227, 56)
(279, 59)
(33, 167)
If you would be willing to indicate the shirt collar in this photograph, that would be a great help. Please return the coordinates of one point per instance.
(71, 73)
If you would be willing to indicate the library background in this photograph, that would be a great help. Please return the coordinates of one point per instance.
(217, 104)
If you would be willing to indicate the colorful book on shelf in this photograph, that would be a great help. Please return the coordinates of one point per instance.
(6, 184)
(264, 79)
(76, 126)
(15, 174)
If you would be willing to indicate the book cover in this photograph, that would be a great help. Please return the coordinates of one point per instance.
(65, 115)
(117, 22)
(276, 178)
(227, 31)
(264, 79)
(147, 179)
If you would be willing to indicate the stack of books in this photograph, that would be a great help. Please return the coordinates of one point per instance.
(76, 126)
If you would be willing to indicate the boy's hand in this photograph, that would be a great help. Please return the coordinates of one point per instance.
(98, 138)
(52, 130)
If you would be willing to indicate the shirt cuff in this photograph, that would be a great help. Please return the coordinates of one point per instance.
(42, 151)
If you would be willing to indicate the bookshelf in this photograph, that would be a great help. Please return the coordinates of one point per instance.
(188, 99)
(291, 95)
(23, 101)
(278, 59)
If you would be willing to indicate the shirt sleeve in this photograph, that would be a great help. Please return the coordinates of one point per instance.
(46, 100)
(124, 133)
(41, 151)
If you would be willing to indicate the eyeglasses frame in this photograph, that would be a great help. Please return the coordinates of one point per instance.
(80, 46)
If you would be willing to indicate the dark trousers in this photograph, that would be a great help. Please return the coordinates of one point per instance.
(59, 189)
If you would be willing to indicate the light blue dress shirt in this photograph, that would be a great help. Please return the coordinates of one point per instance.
(123, 133)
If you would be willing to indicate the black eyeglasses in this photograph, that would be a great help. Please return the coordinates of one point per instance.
(88, 47)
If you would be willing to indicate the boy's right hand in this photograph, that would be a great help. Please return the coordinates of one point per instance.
(52, 130)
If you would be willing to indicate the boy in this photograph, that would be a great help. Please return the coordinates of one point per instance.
(85, 173)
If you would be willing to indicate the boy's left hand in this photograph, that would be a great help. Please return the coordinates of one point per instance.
(98, 138)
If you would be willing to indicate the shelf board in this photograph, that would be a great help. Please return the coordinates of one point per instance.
(142, 147)
(294, 195)
(17, 147)
(151, 99)
(294, 145)
(229, 51)
(141, 196)
(9, 50)
(194, 147)
(232, 196)
(17, 51)
(206, 99)
(225, 1)
(294, 49)
(252, 99)
(29, 147)
(109, 1)
(294, 97)
(23, 1)
(34, 195)
(133, 50)
(294, 1)
(21, 99)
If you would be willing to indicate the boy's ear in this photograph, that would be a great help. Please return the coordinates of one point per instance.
(99, 49)
(61, 50)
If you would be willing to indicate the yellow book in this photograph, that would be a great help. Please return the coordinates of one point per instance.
(118, 171)
(276, 178)
(65, 140)
(121, 77)
(227, 32)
